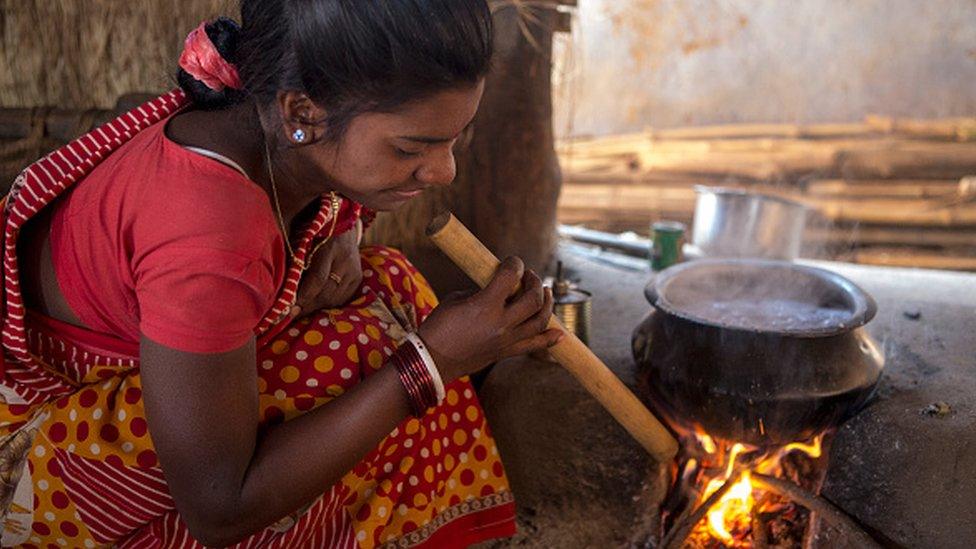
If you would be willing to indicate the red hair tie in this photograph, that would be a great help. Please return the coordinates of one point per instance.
(201, 60)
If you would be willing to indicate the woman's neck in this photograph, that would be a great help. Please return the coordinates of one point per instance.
(285, 185)
(237, 133)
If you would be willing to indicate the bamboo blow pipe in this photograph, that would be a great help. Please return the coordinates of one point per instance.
(468, 253)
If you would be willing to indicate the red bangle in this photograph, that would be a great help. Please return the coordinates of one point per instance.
(413, 390)
(419, 369)
(415, 378)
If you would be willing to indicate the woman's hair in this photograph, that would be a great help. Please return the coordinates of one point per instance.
(349, 56)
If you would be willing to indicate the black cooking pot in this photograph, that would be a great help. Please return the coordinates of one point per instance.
(765, 352)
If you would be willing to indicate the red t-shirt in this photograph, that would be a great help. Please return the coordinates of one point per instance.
(166, 242)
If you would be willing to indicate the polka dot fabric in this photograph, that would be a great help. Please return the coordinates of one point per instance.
(87, 475)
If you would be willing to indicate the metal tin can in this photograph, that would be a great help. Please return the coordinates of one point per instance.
(667, 241)
(573, 307)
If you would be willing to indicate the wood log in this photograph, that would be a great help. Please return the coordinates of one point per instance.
(944, 189)
(685, 525)
(839, 237)
(16, 123)
(824, 240)
(891, 195)
(896, 212)
(753, 159)
(879, 188)
(885, 211)
(894, 257)
(742, 131)
(618, 221)
(908, 160)
(960, 129)
(627, 196)
(816, 504)
(877, 158)
(872, 126)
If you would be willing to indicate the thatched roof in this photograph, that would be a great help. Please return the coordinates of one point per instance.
(86, 53)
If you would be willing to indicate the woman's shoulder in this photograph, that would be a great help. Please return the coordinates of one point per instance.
(168, 193)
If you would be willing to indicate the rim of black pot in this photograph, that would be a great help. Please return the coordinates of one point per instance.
(859, 305)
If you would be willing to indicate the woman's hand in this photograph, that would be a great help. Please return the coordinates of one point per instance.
(333, 276)
(466, 335)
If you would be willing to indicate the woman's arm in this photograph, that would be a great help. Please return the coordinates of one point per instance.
(229, 479)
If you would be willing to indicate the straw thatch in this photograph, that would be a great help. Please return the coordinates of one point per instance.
(86, 53)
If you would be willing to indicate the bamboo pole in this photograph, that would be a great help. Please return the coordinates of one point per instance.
(454, 239)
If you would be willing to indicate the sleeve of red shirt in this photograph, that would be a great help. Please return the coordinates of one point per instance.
(204, 265)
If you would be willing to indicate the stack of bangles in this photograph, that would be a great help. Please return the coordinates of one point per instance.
(418, 374)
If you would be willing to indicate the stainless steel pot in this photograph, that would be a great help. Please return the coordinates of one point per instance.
(735, 223)
(766, 352)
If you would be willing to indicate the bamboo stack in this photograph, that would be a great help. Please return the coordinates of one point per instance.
(885, 191)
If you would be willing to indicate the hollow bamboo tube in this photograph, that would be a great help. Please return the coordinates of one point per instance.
(468, 253)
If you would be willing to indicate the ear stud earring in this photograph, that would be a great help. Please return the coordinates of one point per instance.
(298, 135)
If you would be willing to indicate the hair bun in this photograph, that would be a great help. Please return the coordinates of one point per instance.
(224, 33)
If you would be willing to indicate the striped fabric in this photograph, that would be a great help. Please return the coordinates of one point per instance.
(125, 499)
(43, 181)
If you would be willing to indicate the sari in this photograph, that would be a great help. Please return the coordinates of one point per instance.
(77, 463)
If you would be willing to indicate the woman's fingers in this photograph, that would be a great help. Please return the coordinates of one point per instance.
(505, 281)
(537, 342)
(339, 287)
(529, 301)
(309, 294)
(328, 284)
(351, 282)
(316, 278)
(538, 322)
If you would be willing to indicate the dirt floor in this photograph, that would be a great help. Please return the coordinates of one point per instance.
(902, 467)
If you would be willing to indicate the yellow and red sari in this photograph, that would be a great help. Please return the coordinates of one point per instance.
(77, 464)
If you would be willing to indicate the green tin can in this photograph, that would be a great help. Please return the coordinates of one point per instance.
(667, 241)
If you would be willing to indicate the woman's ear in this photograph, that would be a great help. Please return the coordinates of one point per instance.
(302, 120)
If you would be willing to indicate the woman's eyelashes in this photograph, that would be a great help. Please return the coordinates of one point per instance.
(404, 153)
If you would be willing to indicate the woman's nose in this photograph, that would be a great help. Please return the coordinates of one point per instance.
(439, 169)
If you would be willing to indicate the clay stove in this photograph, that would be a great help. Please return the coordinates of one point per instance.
(753, 363)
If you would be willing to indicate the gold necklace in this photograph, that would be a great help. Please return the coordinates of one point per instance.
(334, 209)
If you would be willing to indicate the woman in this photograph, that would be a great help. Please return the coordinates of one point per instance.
(195, 350)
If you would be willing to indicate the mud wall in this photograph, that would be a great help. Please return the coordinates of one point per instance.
(632, 64)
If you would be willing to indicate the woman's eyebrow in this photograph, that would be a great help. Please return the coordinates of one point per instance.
(422, 139)
(434, 140)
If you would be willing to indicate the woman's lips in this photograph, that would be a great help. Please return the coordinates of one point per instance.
(408, 194)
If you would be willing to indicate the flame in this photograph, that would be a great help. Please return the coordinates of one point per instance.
(730, 518)
(707, 443)
(734, 508)
(813, 449)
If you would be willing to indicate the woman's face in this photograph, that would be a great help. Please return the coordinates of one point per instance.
(385, 159)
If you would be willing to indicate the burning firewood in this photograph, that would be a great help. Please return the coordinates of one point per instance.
(683, 526)
(821, 506)
(739, 496)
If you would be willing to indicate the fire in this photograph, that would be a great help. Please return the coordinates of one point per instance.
(733, 512)
(730, 520)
